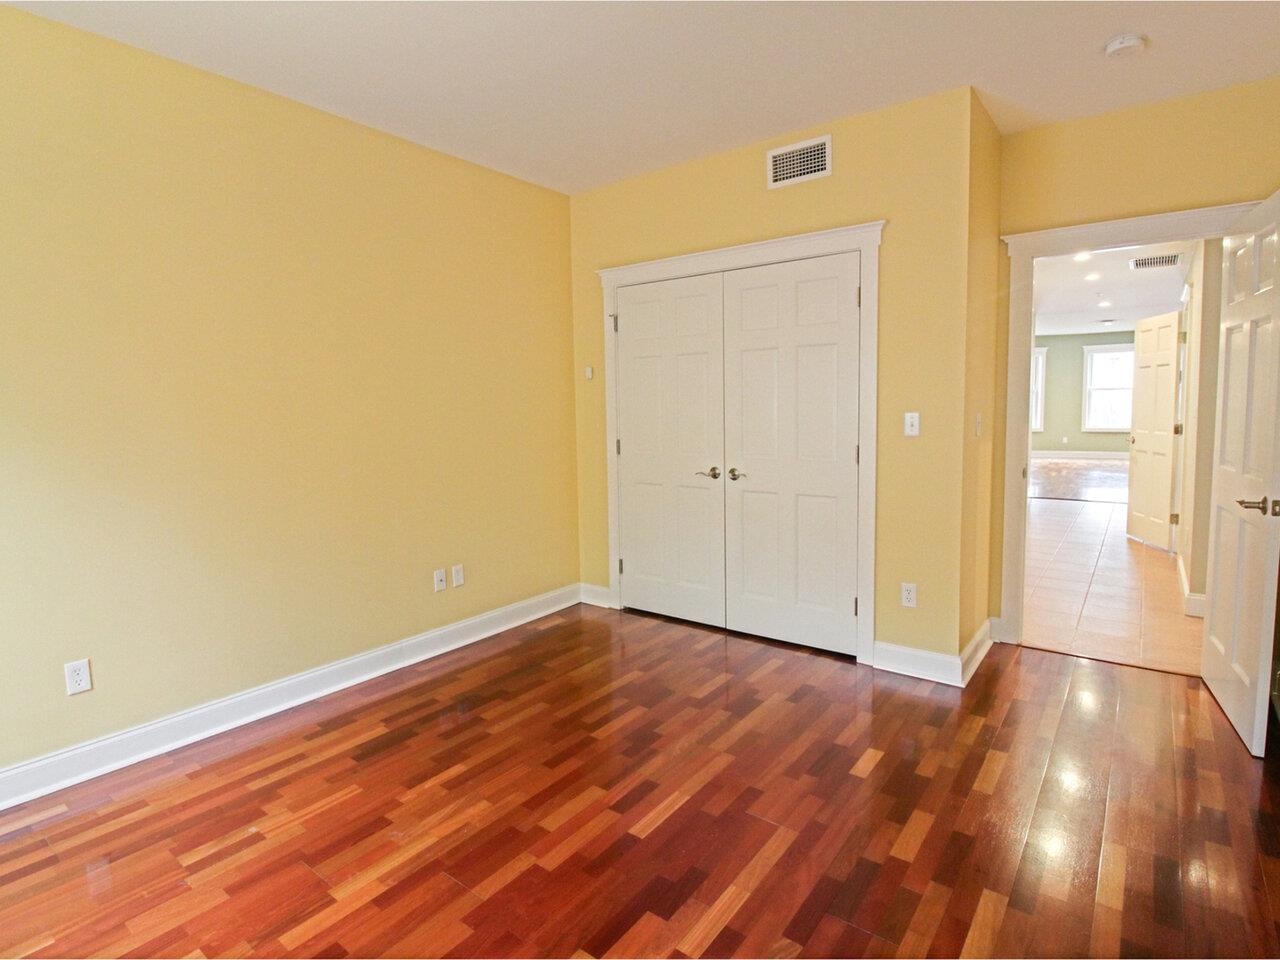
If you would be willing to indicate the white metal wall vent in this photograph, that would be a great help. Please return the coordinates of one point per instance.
(1147, 263)
(795, 162)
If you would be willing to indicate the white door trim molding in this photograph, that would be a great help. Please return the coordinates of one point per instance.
(864, 238)
(71, 765)
(1024, 248)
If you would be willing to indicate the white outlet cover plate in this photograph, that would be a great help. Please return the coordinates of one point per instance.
(438, 580)
(911, 424)
(78, 676)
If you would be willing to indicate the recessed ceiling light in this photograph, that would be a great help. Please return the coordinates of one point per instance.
(1104, 303)
(1125, 45)
(1090, 277)
(1106, 323)
(1082, 256)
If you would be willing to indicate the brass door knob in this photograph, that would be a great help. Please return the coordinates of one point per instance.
(734, 474)
(713, 473)
(1259, 505)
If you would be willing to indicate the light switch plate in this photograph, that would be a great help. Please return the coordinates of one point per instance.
(439, 580)
(911, 424)
(457, 575)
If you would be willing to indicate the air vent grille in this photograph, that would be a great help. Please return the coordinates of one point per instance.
(799, 161)
(1148, 263)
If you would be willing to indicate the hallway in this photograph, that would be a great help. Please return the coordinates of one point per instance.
(1092, 592)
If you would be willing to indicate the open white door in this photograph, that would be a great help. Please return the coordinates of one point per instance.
(1155, 407)
(791, 433)
(1244, 529)
(671, 416)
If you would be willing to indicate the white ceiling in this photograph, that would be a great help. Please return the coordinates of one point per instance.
(574, 95)
(1065, 302)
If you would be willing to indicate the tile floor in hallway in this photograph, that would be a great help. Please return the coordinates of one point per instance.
(1093, 592)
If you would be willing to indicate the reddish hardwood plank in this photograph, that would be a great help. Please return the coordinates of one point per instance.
(601, 784)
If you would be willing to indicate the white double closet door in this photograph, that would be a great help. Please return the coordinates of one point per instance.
(737, 473)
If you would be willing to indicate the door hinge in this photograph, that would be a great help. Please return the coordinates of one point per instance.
(619, 443)
(1173, 519)
(1182, 336)
(855, 606)
(1177, 429)
(859, 296)
(857, 454)
(619, 565)
(615, 322)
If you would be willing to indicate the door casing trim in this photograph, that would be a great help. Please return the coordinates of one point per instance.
(1023, 248)
(861, 238)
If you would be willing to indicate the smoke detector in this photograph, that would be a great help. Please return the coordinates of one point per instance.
(1125, 45)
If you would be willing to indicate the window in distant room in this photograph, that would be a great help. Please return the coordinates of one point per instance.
(1037, 389)
(1108, 387)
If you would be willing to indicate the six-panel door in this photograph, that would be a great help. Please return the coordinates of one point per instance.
(1155, 399)
(791, 421)
(1244, 527)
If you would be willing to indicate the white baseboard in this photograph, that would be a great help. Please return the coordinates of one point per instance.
(1079, 454)
(599, 596)
(63, 768)
(945, 668)
(922, 664)
(1193, 604)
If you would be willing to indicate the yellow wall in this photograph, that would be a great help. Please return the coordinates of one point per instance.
(984, 254)
(1197, 151)
(263, 369)
(907, 164)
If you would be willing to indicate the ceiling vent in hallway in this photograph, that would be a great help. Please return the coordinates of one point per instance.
(1147, 263)
(798, 161)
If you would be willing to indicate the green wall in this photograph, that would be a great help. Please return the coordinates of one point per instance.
(1063, 395)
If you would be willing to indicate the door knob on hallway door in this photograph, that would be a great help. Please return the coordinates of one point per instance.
(734, 474)
(713, 473)
(1259, 505)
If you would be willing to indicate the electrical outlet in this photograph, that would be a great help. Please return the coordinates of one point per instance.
(79, 679)
(908, 594)
(911, 424)
(457, 575)
(439, 580)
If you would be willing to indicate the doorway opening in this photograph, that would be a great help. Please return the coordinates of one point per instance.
(1114, 433)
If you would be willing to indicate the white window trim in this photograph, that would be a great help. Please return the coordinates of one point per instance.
(1040, 357)
(864, 238)
(1089, 350)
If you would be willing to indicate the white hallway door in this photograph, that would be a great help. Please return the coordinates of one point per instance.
(670, 480)
(1151, 439)
(791, 416)
(1244, 527)
(738, 396)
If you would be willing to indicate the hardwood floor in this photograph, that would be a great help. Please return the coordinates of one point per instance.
(607, 784)
(1098, 481)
